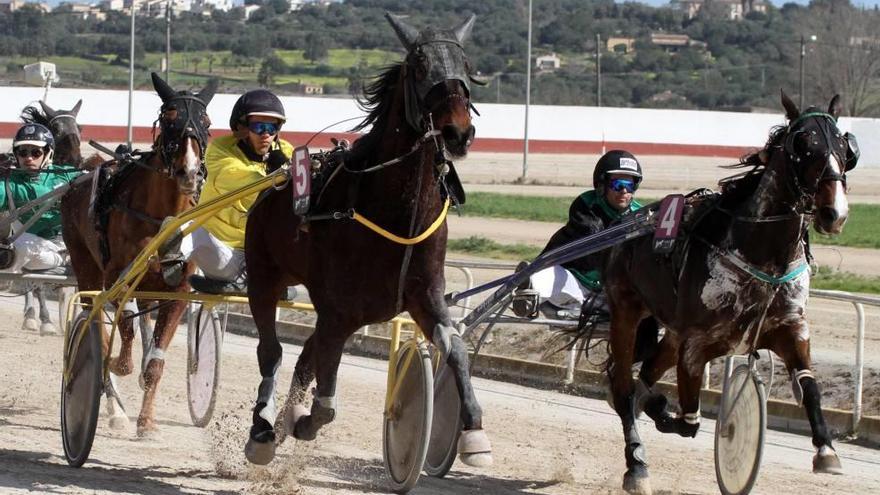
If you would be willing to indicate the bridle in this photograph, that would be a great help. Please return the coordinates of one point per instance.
(190, 123)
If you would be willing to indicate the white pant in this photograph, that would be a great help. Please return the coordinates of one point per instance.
(32, 252)
(214, 257)
(559, 287)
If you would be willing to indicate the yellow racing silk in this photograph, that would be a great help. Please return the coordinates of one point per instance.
(230, 169)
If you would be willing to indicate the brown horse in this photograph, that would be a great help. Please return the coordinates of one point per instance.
(737, 282)
(395, 175)
(136, 200)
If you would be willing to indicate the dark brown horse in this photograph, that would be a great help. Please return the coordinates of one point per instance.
(736, 283)
(136, 199)
(354, 276)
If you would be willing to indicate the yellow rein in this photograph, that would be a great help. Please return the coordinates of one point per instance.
(403, 240)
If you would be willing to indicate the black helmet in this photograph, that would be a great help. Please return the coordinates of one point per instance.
(616, 162)
(36, 135)
(259, 102)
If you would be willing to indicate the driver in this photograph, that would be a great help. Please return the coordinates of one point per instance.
(560, 291)
(40, 248)
(252, 150)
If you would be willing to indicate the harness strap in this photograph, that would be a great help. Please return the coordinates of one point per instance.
(402, 240)
(800, 266)
(137, 214)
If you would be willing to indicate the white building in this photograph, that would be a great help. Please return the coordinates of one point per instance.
(209, 5)
(548, 62)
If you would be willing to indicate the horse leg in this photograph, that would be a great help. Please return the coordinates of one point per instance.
(46, 325)
(303, 374)
(329, 338)
(432, 315)
(166, 326)
(792, 344)
(664, 357)
(122, 364)
(263, 295)
(624, 321)
(30, 314)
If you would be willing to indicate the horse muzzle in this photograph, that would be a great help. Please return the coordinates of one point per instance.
(829, 220)
(457, 140)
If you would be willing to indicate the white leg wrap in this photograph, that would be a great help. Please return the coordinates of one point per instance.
(691, 418)
(155, 353)
(443, 338)
(326, 402)
(266, 393)
(797, 390)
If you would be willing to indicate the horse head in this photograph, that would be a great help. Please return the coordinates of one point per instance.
(819, 156)
(65, 130)
(183, 132)
(437, 77)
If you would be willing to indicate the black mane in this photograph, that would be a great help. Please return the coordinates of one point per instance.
(739, 187)
(376, 100)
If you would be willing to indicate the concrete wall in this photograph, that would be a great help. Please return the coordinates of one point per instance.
(552, 129)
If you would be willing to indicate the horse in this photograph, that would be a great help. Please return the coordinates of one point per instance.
(738, 281)
(129, 210)
(396, 175)
(67, 134)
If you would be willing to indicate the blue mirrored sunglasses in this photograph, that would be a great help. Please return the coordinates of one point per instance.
(264, 127)
(621, 185)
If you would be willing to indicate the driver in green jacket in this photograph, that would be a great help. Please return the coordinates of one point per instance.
(39, 249)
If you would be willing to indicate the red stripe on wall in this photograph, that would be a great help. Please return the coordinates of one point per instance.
(110, 135)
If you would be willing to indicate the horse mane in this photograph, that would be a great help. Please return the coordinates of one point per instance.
(33, 115)
(376, 101)
(739, 187)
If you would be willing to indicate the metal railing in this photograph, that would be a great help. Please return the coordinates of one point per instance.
(858, 302)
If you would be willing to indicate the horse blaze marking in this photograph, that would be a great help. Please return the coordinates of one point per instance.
(302, 180)
(671, 209)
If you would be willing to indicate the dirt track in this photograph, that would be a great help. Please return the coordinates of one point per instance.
(544, 442)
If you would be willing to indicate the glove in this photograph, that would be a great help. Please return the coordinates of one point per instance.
(275, 160)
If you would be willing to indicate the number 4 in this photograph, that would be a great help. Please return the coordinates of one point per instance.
(670, 216)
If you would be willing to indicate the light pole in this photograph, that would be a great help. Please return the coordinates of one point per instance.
(525, 167)
(803, 55)
(598, 71)
(131, 73)
(168, 42)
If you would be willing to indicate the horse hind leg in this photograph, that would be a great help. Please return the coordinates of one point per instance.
(294, 408)
(115, 409)
(30, 314)
(166, 326)
(46, 325)
(122, 364)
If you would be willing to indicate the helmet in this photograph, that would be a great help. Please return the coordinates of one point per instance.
(35, 135)
(616, 162)
(259, 102)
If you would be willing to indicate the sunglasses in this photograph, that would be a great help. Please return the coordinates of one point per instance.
(264, 127)
(621, 185)
(33, 152)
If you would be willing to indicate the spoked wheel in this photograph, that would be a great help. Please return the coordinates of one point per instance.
(739, 432)
(81, 390)
(446, 425)
(407, 427)
(204, 342)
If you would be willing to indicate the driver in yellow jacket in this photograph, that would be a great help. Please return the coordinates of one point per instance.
(233, 161)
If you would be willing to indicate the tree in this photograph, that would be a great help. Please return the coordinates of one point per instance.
(316, 47)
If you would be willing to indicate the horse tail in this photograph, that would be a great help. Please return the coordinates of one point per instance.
(584, 337)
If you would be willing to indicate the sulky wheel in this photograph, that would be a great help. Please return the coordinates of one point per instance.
(204, 342)
(739, 432)
(81, 389)
(446, 425)
(407, 426)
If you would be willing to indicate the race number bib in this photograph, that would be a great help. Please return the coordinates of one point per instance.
(668, 222)
(301, 178)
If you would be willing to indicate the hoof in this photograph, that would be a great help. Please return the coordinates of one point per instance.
(474, 448)
(260, 453)
(120, 368)
(30, 324)
(146, 428)
(637, 483)
(292, 415)
(827, 462)
(48, 328)
(119, 422)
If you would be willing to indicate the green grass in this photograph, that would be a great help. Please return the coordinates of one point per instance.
(862, 229)
(826, 278)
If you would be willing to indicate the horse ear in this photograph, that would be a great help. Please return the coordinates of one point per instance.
(207, 93)
(463, 31)
(791, 110)
(75, 110)
(835, 107)
(47, 110)
(162, 88)
(406, 33)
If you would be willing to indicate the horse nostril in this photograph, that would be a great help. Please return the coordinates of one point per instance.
(828, 215)
(455, 135)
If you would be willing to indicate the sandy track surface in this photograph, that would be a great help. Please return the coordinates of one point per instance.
(544, 442)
